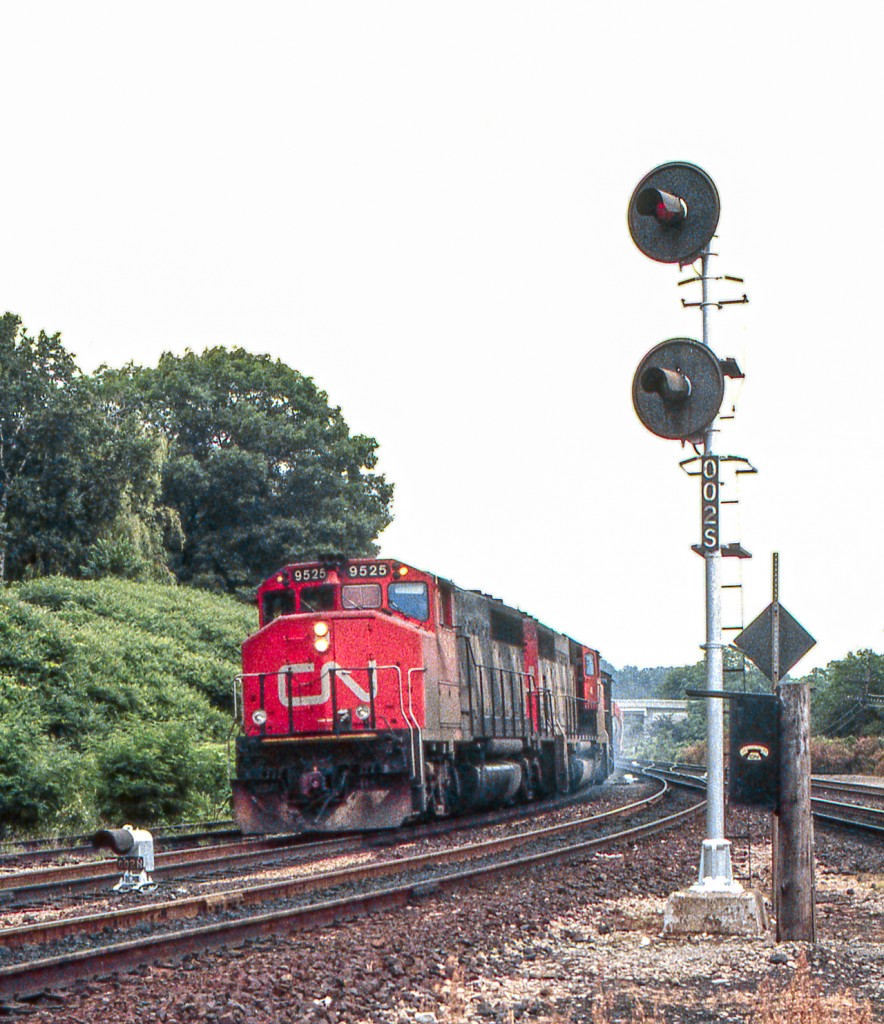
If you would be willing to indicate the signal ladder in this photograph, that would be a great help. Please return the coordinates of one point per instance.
(733, 556)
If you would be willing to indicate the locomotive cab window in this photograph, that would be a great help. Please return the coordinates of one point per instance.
(360, 595)
(276, 603)
(411, 599)
(318, 599)
(589, 664)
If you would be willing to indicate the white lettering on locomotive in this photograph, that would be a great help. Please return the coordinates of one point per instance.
(309, 700)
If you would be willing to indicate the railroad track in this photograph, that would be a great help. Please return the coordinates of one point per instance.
(841, 813)
(93, 875)
(311, 899)
(15, 852)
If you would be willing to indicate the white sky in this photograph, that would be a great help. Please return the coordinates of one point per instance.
(423, 207)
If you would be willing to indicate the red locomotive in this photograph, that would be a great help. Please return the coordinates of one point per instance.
(374, 693)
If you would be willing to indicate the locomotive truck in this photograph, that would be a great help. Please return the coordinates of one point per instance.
(373, 694)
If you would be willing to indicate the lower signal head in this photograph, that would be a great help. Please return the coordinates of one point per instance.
(678, 389)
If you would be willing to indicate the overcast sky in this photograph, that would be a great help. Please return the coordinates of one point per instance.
(423, 207)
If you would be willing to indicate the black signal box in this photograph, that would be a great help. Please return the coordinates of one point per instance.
(754, 758)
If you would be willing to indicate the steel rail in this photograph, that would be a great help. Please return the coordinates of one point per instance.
(91, 875)
(852, 815)
(173, 864)
(858, 788)
(36, 976)
(48, 931)
(51, 846)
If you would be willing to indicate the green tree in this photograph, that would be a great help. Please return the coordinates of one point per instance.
(75, 475)
(681, 678)
(34, 373)
(839, 695)
(260, 469)
(632, 683)
(739, 674)
(91, 484)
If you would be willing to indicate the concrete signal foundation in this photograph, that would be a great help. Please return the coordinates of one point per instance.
(697, 911)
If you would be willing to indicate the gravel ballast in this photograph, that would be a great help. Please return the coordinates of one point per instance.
(548, 946)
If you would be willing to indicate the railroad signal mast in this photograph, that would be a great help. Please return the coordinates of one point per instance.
(677, 392)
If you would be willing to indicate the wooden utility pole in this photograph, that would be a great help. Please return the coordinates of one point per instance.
(793, 852)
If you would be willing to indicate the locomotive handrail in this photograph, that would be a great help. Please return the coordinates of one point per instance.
(527, 723)
(420, 741)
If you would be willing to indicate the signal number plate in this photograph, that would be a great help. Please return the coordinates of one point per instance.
(709, 495)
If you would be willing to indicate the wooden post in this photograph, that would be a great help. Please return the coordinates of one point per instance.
(794, 880)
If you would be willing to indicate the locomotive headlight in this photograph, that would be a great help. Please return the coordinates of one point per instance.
(323, 640)
(363, 712)
(259, 717)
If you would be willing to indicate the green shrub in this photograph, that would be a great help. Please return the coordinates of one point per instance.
(146, 773)
(35, 777)
(115, 701)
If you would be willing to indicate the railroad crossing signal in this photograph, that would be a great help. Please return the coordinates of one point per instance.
(673, 213)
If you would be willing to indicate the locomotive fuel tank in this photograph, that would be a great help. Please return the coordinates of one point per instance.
(489, 785)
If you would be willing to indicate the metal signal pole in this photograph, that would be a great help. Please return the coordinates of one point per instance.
(715, 857)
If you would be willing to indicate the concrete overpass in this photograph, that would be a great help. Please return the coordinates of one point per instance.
(640, 715)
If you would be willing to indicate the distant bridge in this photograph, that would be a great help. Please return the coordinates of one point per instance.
(640, 715)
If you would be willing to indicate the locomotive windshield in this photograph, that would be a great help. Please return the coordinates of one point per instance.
(356, 586)
(361, 595)
(411, 599)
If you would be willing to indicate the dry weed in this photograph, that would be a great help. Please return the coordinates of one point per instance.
(801, 1002)
(603, 1005)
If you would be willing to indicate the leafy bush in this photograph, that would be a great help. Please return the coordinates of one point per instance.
(693, 754)
(145, 774)
(115, 701)
(35, 780)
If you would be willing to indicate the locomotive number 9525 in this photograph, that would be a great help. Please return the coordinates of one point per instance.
(368, 570)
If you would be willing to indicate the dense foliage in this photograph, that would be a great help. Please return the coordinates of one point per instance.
(260, 470)
(844, 696)
(632, 683)
(214, 469)
(115, 701)
(70, 477)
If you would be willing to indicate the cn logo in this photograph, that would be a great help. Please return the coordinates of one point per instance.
(298, 672)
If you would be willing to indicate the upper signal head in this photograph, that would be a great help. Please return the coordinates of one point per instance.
(673, 213)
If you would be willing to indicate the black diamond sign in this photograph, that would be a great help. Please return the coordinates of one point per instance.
(756, 641)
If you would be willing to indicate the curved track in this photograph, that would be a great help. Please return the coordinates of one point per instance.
(843, 813)
(311, 898)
